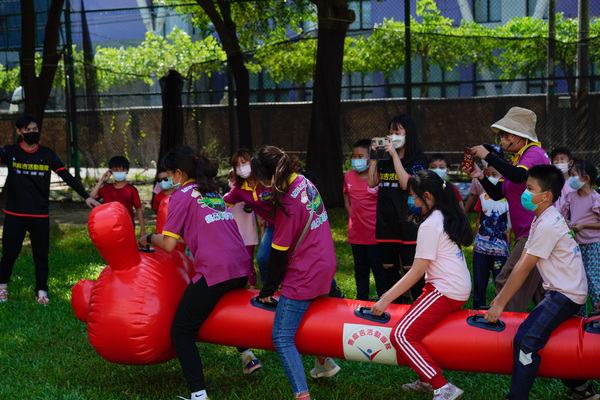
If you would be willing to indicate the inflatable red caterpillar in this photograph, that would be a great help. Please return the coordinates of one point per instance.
(132, 304)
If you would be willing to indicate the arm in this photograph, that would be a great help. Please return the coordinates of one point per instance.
(494, 191)
(347, 203)
(277, 264)
(102, 181)
(410, 278)
(66, 176)
(580, 227)
(164, 242)
(140, 216)
(372, 176)
(470, 200)
(398, 167)
(518, 275)
(513, 173)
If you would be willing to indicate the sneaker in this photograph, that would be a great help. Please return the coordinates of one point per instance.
(3, 295)
(183, 398)
(589, 393)
(417, 386)
(447, 392)
(250, 362)
(336, 292)
(328, 369)
(42, 298)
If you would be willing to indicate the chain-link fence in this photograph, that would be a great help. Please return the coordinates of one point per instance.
(453, 104)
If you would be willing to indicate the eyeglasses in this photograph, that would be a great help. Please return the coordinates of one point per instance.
(163, 179)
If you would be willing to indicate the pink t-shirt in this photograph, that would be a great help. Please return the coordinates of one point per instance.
(577, 209)
(259, 199)
(246, 222)
(476, 187)
(560, 264)
(311, 270)
(210, 232)
(447, 269)
(520, 218)
(363, 209)
(563, 194)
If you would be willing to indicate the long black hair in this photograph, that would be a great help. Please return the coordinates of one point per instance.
(270, 164)
(456, 222)
(200, 167)
(412, 146)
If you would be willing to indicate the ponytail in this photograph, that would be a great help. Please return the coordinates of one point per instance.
(270, 164)
(200, 167)
(456, 222)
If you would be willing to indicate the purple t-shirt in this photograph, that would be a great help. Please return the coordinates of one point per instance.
(210, 232)
(313, 264)
(520, 218)
(259, 199)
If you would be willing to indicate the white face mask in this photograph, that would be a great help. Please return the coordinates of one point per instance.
(493, 180)
(442, 172)
(119, 176)
(564, 167)
(398, 141)
(243, 171)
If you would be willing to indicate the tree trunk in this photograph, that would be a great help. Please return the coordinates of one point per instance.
(37, 89)
(324, 154)
(226, 30)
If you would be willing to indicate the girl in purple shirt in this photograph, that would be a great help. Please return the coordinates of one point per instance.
(302, 259)
(198, 215)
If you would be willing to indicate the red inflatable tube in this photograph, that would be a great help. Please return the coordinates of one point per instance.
(130, 308)
(331, 327)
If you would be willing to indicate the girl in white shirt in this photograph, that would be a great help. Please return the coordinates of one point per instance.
(445, 228)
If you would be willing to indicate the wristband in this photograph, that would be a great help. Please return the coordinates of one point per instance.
(149, 238)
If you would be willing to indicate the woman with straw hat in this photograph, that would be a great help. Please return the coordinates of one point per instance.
(517, 136)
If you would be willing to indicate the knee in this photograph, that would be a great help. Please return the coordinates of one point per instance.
(281, 341)
(387, 266)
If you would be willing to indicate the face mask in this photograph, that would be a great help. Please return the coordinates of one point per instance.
(398, 141)
(243, 171)
(441, 172)
(165, 185)
(119, 176)
(412, 207)
(173, 185)
(359, 164)
(493, 180)
(564, 167)
(575, 183)
(526, 200)
(31, 137)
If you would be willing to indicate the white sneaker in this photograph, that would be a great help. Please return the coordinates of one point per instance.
(3, 295)
(328, 369)
(249, 362)
(447, 392)
(42, 297)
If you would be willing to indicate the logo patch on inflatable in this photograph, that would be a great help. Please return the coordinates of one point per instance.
(368, 343)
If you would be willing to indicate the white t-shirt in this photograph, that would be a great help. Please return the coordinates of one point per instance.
(447, 269)
(560, 264)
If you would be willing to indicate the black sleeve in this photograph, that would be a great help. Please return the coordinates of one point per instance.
(508, 171)
(494, 191)
(277, 264)
(66, 176)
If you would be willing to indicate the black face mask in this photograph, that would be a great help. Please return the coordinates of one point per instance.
(31, 137)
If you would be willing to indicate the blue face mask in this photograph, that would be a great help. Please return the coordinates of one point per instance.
(165, 185)
(412, 207)
(119, 176)
(442, 172)
(526, 200)
(575, 183)
(359, 164)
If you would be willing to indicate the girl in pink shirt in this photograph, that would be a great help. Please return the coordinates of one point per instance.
(581, 208)
(445, 228)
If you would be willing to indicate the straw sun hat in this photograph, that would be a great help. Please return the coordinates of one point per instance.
(518, 121)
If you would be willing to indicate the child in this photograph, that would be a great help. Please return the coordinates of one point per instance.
(491, 248)
(120, 190)
(439, 164)
(361, 204)
(246, 222)
(563, 160)
(551, 246)
(445, 228)
(581, 208)
(166, 189)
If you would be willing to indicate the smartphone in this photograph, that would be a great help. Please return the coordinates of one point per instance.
(379, 153)
(468, 159)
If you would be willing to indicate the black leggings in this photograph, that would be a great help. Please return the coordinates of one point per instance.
(13, 235)
(400, 255)
(195, 306)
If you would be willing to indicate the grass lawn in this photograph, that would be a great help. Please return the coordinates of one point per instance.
(45, 353)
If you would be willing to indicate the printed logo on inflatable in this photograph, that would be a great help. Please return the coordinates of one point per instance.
(368, 343)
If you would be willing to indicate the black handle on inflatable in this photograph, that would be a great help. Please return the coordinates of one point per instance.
(592, 326)
(365, 313)
(265, 306)
(478, 321)
(146, 249)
